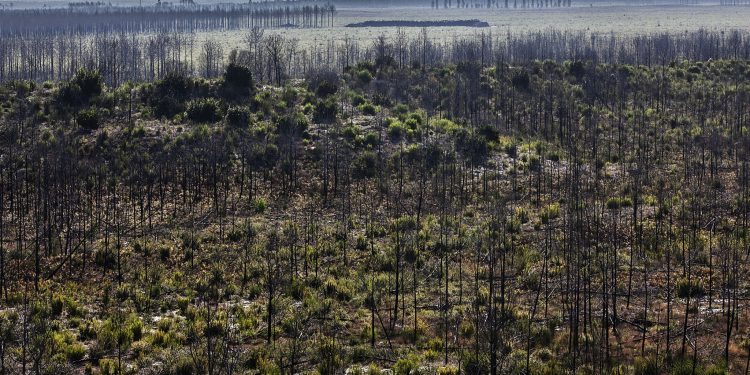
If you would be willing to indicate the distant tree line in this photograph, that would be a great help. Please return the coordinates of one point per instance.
(160, 19)
(121, 57)
(490, 4)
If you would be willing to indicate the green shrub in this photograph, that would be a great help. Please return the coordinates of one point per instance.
(167, 106)
(626, 202)
(238, 79)
(364, 165)
(294, 124)
(382, 100)
(329, 360)
(577, 69)
(683, 367)
(109, 367)
(467, 329)
(521, 80)
(617, 203)
(238, 117)
(646, 366)
(401, 109)
(259, 205)
(405, 365)
(472, 147)
(535, 163)
(358, 99)
(522, 214)
(396, 129)
(554, 156)
(174, 85)
(87, 331)
(69, 95)
(88, 119)
(325, 111)
(368, 109)
(326, 88)
(75, 352)
(169, 93)
(203, 110)
(56, 306)
(90, 82)
(445, 126)
(692, 288)
(105, 258)
(550, 212)
(364, 76)
(474, 364)
(411, 123)
(184, 365)
(84, 86)
(135, 326)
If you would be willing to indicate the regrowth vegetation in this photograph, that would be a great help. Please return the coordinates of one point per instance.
(477, 216)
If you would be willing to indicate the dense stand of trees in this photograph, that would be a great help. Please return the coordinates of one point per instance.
(120, 57)
(164, 18)
(496, 4)
(463, 205)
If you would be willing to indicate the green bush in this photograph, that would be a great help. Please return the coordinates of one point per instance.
(238, 77)
(368, 109)
(522, 214)
(87, 331)
(325, 111)
(396, 129)
(105, 258)
(521, 80)
(68, 95)
(88, 119)
(401, 109)
(168, 95)
(109, 367)
(358, 99)
(56, 306)
(406, 365)
(75, 352)
(617, 203)
(577, 69)
(238, 117)
(646, 366)
(472, 147)
(364, 76)
(182, 366)
(329, 360)
(135, 326)
(259, 205)
(371, 139)
(549, 213)
(84, 86)
(174, 85)
(473, 364)
(203, 110)
(326, 88)
(167, 106)
(90, 82)
(294, 124)
(364, 165)
(692, 288)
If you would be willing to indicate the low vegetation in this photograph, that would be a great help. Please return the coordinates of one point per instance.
(479, 217)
